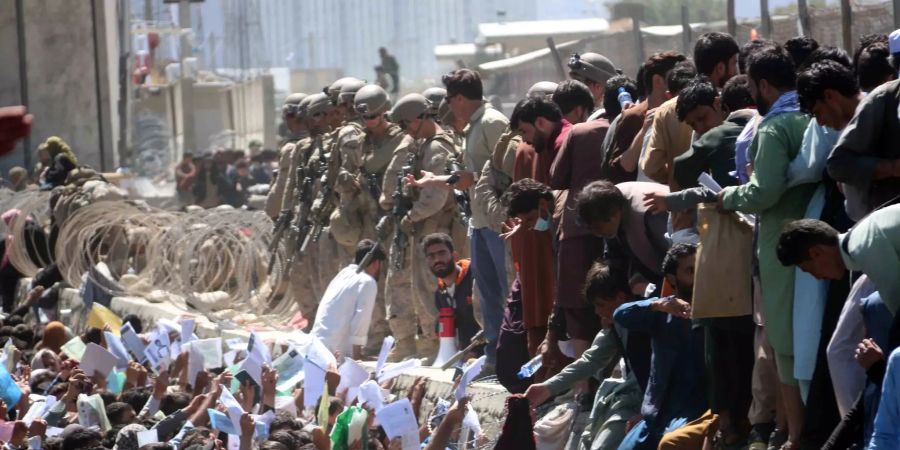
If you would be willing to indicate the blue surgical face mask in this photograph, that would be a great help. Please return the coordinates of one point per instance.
(541, 224)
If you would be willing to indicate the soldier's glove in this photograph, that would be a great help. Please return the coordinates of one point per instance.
(384, 227)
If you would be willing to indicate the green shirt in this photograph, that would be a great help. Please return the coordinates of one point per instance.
(873, 247)
(777, 142)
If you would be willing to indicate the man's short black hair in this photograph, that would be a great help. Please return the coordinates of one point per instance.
(749, 48)
(364, 247)
(571, 94)
(827, 52)
(676, 252)
(774, 65)
(659, 64)
(136, 397)
(713, 48)
(865, 41)
(173, 401)
(115, 412)
(465, 82)
(874, 66)
(799, 236)
(598, 201)
(641, 85)
(438, 239)
(611, 94)
(604, 282)
(82, 438)
(827, 74)
(529, 109)
(680, 76)
(736, 93)
(699, 92)
(524, 196)
(800, 47)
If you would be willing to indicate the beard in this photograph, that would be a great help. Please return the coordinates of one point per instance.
(762, 106)
(540, 141)
(685, 293)
(441, 270)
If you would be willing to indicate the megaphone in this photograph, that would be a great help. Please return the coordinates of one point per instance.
(447, 336)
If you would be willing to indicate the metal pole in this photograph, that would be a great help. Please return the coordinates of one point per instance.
(124, 82)
(638, 39)
(766, 19)
(896, 14)
(685, 30)
(732, 21)
(23, 77)
(560, 68)
(846, 27)
(98, 89)
(803, 12)
(187, 84)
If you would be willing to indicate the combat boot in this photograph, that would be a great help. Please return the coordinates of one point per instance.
(403, 349)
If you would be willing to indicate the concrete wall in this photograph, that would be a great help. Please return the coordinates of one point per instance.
(253, 112)
(310, 81)
(67, 93)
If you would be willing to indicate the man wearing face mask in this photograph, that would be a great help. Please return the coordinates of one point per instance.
(529, 205)
(454, 285)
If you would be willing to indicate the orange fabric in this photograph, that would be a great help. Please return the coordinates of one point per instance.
(463, 270)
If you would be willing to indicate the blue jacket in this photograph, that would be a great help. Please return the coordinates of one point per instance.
(677, 385)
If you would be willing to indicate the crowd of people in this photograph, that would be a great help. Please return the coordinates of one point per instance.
(223, 177)
(702, 256)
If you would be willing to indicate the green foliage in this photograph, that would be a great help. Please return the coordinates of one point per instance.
(791, 8)
(668, 12)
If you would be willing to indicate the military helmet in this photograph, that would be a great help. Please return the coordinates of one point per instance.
(371, 100)
(291, 106)
(318, 103)
(410, 107)
(435, 95)
(335, 88)
(543, 89)
(592, 67)
(348, 90)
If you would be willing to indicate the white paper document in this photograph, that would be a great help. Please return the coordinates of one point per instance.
(97, 359)
(399, 420)
(469, 374)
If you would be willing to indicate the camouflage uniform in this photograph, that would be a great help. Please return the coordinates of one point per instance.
(410, 291)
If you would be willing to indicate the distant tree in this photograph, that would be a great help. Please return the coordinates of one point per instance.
(791, 8)
(668, 12)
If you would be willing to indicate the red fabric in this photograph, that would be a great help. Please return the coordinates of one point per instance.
(533, 254)
(518, 430)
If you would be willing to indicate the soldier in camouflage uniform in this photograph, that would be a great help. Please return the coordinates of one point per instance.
(296, 126)
(334, 256)
(307, 165)
(431, 210)
(367, 144)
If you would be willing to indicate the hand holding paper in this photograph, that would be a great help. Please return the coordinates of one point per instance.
(469, 374)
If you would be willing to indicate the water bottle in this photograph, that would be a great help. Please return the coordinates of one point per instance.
(625, 98)
(529, 368)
